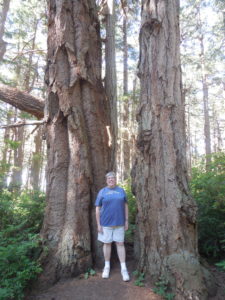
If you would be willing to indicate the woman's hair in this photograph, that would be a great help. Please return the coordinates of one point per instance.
(112, 174)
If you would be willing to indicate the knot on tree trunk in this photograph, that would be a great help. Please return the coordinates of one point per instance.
(151, 26)
(144, 140)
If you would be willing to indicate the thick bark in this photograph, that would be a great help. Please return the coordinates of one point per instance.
(110, 78)
(166, 241)
(77, 141)
(23, 101)
(4, 12)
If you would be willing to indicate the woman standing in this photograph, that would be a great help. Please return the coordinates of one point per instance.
(112, 221)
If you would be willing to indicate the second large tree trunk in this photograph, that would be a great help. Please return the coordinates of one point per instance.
(166, 238)
(77, 141)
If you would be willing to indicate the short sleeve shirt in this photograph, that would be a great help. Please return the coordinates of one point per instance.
(112, 202)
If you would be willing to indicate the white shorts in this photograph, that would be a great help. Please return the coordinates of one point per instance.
(112, 234)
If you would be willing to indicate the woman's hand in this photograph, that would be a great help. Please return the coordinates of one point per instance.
(126, 225)
(100, 230)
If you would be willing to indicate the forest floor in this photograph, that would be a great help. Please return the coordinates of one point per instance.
(96, 288)
(114, 288)
(219, 277)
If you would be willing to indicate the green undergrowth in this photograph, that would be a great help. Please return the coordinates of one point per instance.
(132, 206)
(21, 216)
(162, 288)
(208, 189)
(139, 278)
(221, 265)
(90, 272)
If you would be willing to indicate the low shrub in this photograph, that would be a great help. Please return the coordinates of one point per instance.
(208, 189)
(132, 206)
(21, 215)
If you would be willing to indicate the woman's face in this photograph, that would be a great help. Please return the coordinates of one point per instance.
(111, 181)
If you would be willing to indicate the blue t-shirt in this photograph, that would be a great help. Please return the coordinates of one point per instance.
(112, 202)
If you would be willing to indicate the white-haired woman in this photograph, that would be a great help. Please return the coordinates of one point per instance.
(112, 221)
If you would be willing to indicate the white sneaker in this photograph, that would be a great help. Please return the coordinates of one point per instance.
(105, 273)
(125, 275)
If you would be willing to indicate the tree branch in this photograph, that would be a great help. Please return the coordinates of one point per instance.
(23, 101)
(23, 123)
(21, 53)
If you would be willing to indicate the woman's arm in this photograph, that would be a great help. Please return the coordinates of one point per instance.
(98, 218)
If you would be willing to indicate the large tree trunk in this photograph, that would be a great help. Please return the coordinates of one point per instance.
(77, 141)
(110, 78)
(167, 235)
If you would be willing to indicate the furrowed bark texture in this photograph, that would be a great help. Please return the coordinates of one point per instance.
(77, 140)
(166, 238)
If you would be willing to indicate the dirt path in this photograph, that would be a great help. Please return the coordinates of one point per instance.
(96, 288)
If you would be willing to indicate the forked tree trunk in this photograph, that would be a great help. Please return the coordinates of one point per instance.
(167, 235)
(77, 141)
